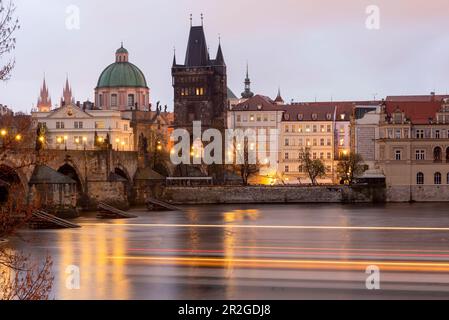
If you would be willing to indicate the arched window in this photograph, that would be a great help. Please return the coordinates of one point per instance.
(447, 154)
(437, 154)
(420, 178)
(437, 178)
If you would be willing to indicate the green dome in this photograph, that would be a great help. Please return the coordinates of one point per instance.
(122, 74)
(121, 50)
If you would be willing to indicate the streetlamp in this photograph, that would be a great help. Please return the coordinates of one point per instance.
(84, 142)
(77, 142)
(18, 137)
(123, 145)
(3, 132)
(65, 142)
(117, 141)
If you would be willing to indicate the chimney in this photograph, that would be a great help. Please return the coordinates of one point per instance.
(432, 96)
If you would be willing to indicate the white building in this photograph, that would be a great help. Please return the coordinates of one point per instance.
(71, 128)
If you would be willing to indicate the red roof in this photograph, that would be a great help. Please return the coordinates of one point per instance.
(257, 103)
(418, 112)
(417, 98)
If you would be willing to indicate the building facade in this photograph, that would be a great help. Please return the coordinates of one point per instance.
(413, 149)
(72, 128)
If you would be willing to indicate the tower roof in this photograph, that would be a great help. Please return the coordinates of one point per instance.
(197, 54)
(220, 59)
(279, 97)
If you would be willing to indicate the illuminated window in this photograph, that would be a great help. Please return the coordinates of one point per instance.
(342, 142)
(99, 125)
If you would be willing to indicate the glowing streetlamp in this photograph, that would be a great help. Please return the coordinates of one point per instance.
(18, 137)
(3, 132)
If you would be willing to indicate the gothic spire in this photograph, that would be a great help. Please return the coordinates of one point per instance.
(219, 60)
(44, 100)
(279, 99)
(196, 54)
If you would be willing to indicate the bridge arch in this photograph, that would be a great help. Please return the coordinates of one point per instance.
(12, 180)
(72, 172)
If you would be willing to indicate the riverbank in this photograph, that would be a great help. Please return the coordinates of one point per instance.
(273, 194)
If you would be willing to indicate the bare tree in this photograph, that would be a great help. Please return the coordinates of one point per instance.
(314, 168)
(8, 25)
(20, 277)
(246, 160)
(349, 167)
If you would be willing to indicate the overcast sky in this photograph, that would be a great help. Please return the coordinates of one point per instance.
(312, 49)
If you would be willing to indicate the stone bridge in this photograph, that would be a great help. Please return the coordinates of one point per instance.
(100, 175)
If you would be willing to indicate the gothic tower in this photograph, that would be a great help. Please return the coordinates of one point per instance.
(67, 94)
(200, 85)
(44, 100)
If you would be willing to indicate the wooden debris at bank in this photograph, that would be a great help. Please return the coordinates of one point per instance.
(154, 204)
(43, 220)
(106, 211)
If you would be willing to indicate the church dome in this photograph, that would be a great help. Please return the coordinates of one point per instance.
(122, 73)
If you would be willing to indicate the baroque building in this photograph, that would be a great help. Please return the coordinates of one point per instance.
(122, 86)
(200, 85)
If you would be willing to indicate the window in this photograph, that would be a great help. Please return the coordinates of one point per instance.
(420, 155)
(315, 128)
(239, 118)
(322, 129)
(100, 98)
(114, 100)
(322, 155)
(342, 142)
(99, 124)
(342, 129)
(300, 142)
(286, 142)
(286, 156)
(329, 128)
(307, 128)
(420, 134)
(397, 155)
(265, 118)
(308, 142)
(437, 178)
(78, 124)
(130, 100)
(286, 128)
(329, 142)
(251, 118)
(314, 156)
(245, 118)
(315, 142)
(329, 156)
(420, 178)
(60, 125)
(322, 142)
(397, 134)
(259, 118)
(437, 134)
(125, 127)
(437, 154)
(286, 169)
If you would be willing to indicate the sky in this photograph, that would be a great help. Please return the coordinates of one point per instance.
(313, 50)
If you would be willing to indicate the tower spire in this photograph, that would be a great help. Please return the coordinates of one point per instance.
(44, 100)
(67, 97)
(247, 93)
(279, 99)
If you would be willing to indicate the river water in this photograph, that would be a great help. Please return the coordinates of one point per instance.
(250, 252)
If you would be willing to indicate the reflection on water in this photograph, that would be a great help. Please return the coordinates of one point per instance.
(148, 258)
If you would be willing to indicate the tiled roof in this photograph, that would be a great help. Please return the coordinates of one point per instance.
(417, 98)
(258, 103)
(418, 112)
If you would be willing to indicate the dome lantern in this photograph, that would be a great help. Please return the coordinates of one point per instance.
(121, 55)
